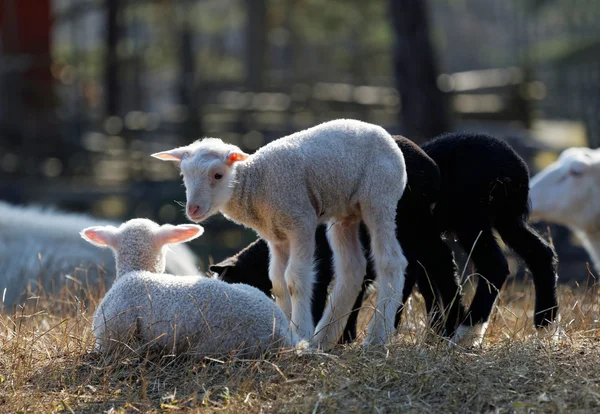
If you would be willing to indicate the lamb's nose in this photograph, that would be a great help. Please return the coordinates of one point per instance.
(193, 209)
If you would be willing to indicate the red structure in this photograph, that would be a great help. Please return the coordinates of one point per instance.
(25, 45)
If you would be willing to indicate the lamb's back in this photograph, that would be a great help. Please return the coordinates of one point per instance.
(210, 315)
(328, 165)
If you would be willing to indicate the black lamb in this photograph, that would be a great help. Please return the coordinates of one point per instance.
(485, 186)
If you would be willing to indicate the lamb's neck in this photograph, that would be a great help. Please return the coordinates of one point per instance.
(122, 270)
(239, 201)
(155, 265)
(591, 241)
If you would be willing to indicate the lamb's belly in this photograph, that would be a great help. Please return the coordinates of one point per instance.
(273, 234)
(345, 216)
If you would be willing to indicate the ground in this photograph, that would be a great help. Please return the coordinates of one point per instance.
(47, 365)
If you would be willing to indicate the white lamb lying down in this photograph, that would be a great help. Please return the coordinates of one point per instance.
(198, 315)
(41, 244)
(567, 192)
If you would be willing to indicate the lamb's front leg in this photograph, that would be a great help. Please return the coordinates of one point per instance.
(299, 276)
(350, 267)
(278, 260)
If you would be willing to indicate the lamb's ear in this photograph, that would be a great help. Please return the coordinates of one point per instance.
(221, 268)
(169, 234)
(176, 154)
(101, 235)
(578, 167)
(235, 156)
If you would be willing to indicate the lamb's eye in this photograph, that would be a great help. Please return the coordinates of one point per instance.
(218, 176)
(576, 173)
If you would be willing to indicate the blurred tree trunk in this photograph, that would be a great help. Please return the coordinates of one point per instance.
(190, 95)
(112, 67)
(423, 114)
(256, 45)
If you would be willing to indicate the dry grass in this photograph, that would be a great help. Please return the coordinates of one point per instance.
(46, 365)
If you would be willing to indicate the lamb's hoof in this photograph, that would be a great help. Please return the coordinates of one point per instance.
(468, 336)
(372, 341)
(304, 334)
(304, 348)
(553, 331)
(378, 334)
(547, 316)
(322, 343)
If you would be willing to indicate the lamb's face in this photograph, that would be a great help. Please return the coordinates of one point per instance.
(206, 167)
(207, 180)
(568, 191)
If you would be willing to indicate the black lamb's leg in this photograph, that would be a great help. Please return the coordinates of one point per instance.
(542, 262)
(492, 268)
(320, 289)
(323, 274)
(439, 272)
(410, 278)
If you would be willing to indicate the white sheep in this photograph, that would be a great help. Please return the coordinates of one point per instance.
(195, 314)
(567, 192)
(340, 172)
(42, 244)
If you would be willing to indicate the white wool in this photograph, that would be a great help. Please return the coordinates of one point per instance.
(41, 243)
(198, 315)
(193, 314)
(567, 192)
(339, 172)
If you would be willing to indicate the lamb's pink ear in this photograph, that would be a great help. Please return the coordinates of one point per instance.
(176, 154)
(169, 234)
(235, 156)
(101, 235)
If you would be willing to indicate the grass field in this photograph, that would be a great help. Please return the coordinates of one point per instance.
(47, 365)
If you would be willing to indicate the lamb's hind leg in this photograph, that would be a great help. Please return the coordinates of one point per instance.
(350, 334)
(278, 259)
(541, 260)
(390, 266)
(349, 266)
(300, 277)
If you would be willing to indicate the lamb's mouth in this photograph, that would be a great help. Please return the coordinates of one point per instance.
(197, 218)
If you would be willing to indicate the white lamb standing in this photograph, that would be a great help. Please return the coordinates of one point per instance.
(340, 172)
(42, 243)
(567, 192)
(195, 314)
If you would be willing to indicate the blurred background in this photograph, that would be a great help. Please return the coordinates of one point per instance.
(89, 88)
